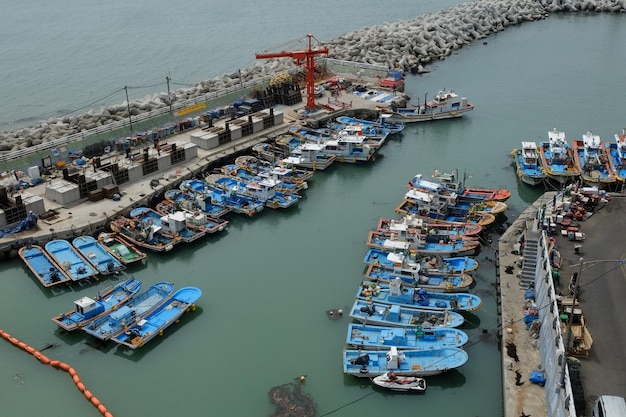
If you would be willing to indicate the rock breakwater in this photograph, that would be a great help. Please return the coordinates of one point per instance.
(408, 44)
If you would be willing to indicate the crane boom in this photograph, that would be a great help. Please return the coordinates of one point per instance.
(307, 55)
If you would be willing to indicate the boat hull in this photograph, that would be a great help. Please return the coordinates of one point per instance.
(123, 250)
(43, 266)
(396, 316)
(101, 259)
(70, 260)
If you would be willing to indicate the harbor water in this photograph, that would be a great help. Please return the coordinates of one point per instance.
(268, 281)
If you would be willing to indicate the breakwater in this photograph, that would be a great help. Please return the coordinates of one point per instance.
(409, 44)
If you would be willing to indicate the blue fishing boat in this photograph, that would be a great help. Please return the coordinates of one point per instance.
(397, 293)
(234, 198)
(264, 190)
(275, 175)
(557, 158)
(118, 320)
(395, 316)
(375, 137)
(410, 362)
(393, 260)
(309, 134)
(593, 159)
(268, 152)
(528, 165)
(100, 258)
(43, 266)
(69, 260)
(431, 280)
(368, 336)
(424, 244)
(171, 224)
(191, 196)
(157, 321)
(87, 309)
(617, 155)
(381, 122)
(432, 206)
(289, 173)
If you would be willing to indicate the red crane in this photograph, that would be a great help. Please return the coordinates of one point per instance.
(307, 55)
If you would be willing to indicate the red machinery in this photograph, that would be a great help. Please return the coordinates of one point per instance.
(307, 55)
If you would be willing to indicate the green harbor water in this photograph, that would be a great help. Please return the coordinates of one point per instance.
(268, 281)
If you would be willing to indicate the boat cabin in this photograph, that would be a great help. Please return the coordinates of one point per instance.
(88, 307)
(394, 358)
(173, 223)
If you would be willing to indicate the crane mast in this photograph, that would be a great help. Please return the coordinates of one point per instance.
(308, 57)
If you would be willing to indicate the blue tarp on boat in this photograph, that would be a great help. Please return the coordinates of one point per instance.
(26, 224)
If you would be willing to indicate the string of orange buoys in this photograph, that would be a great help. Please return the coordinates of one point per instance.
(59, 365)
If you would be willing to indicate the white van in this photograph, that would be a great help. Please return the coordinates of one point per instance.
(609, 406)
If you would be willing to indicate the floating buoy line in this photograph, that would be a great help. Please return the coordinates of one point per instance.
(59, 365)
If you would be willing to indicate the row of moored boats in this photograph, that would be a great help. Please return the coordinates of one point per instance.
(410, 305)
(594, 162)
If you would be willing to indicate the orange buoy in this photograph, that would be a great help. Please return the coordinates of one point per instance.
(30, 350)
(44, 359)
(88, 394)
(102, 408)
(71, 371)
(5, 335)
(13, 340)
(21, 345)
(107, 414)
(55, 363)
(95, 401)
(64, 366)
(76, 379)
(80, 386)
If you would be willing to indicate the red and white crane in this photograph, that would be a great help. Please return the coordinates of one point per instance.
(308, 57)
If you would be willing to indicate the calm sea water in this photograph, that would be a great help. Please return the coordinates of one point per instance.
(268, 281)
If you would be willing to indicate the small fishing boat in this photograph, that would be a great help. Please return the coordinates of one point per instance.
(593, 159)
(431, 280)
(195, 219)
(118, 320)
(349, 149)
(445, 105)
(396, 316)
(375, 137)
(43, 266)
(311, 156)
(87, 309)
(393, 382)
(278, 176)
(124, 251)
(211, 199)
(195, 195)
(424, 245)
(381, 122)
(427, 226)
(403, 260)
(172, 224)
(264, 190)
(528, 165)
(446, 183)
(161, 318)
(100, 258)
(397, 293)
(268, 152)
(368, 336)
(310, 135)
(410, 362)
(144, 234)
(617, 155)
(68, 259)
(557, 158)
(289, 174)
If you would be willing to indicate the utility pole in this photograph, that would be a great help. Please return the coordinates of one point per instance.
(169, 95)
(130, 120)
(570, 319)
